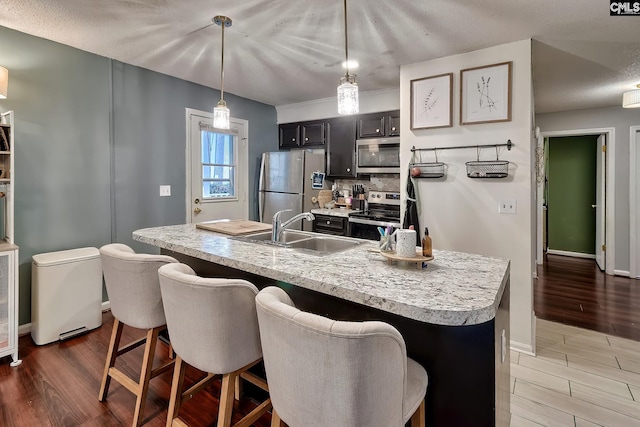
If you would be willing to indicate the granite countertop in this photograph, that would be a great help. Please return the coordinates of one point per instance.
(454, 289)
(334, 212)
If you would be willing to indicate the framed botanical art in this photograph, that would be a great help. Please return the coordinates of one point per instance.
(431, 105)
(485, 94)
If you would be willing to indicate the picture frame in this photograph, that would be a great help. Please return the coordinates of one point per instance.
(485, 94)
(431, 105)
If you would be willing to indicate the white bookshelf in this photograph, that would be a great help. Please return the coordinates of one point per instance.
(8, 248)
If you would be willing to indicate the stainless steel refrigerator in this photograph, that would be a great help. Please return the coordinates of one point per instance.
(286, 183)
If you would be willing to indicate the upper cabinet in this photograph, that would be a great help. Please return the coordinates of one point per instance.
(393, 121)
(379, 125)
(289, 135)
(313, 133)
(305, 134)
(341, 148)
(338, 137)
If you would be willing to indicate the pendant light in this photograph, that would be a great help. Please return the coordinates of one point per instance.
(631, 99)
(348, 89)
(221, 112)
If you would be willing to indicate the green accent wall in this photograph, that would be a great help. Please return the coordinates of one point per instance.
(571, 192)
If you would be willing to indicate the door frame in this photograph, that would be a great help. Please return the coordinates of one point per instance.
(609, 193)
(241, 146)
(634, 198)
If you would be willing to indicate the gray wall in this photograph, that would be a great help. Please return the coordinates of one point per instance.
(94, 140)
(620, 119)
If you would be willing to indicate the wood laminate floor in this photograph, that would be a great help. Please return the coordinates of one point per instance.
(579, 378)
(575, 292)
(57, 385)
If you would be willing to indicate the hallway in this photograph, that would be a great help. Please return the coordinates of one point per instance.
(575, 292)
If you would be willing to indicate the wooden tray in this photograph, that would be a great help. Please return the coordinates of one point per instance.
(234, 227)
(419, 259)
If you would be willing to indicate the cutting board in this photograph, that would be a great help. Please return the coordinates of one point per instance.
(234, 227)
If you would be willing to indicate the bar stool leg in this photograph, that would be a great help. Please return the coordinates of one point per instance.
(418, 417)
(145, 374)
(176, 390)
(112, 354)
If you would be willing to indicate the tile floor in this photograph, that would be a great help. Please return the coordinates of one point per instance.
(579, 378)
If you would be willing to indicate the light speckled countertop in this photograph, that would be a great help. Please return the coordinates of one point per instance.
(334, 212)
(454, 289)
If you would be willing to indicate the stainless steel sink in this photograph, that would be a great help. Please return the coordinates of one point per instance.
(287, 236)
(325, 244)
(312, 243)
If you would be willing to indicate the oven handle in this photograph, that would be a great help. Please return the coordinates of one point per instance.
(374, 222)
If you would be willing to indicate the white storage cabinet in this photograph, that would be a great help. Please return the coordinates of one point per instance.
(8, 249)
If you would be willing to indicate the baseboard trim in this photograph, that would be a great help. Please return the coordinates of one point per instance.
(568, 253)
(26, 328)
(622, 273)
(522, 348)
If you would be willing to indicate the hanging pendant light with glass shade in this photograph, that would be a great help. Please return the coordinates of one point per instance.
(221, 112)
(348, 90)
(631, 99)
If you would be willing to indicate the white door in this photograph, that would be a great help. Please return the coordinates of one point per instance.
(634, 202)
(217, 169)
(600, 201)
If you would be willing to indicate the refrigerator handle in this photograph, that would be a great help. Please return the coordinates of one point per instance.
(261, 205)
(261, 183)
(261, 190)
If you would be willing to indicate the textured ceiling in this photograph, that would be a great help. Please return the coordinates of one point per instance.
(286, 51)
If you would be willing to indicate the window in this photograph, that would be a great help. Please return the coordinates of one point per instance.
(218, 165)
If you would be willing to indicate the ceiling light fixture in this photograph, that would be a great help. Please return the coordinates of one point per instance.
(352, 64)
(221, 112)
(631, 99)
(348, 89)
(4, 82)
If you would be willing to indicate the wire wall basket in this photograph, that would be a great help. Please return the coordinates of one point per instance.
(487, 168)
(422, 169)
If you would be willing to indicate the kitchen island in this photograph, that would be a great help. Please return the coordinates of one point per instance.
(453, 314)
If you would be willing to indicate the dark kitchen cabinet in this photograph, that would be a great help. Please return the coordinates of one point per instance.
(305, 134)
(312, 134)
(393, 120)
(379, 125)
(289, 135)
(371, 126)
(336, 225)
(341, 148)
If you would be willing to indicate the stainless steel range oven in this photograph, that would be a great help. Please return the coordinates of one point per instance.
(383, 211)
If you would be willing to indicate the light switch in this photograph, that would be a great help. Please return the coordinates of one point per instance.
(507, 206)
(165, 190)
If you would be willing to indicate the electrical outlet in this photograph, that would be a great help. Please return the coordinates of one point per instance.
(507, 206)
(165, 190)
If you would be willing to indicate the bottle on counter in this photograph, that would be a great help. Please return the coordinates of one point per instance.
(427, 249)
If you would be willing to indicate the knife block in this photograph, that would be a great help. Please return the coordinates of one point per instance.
(357, 204)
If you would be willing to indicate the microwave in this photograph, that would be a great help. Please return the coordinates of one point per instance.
(378, 155)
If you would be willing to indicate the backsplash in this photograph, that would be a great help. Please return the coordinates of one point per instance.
(386, 182)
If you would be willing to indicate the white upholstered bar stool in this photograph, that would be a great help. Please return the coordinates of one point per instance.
(323, 372)
(213, 327)
(134, 294)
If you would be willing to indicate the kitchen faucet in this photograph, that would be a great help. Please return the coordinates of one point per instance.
(279, 227)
